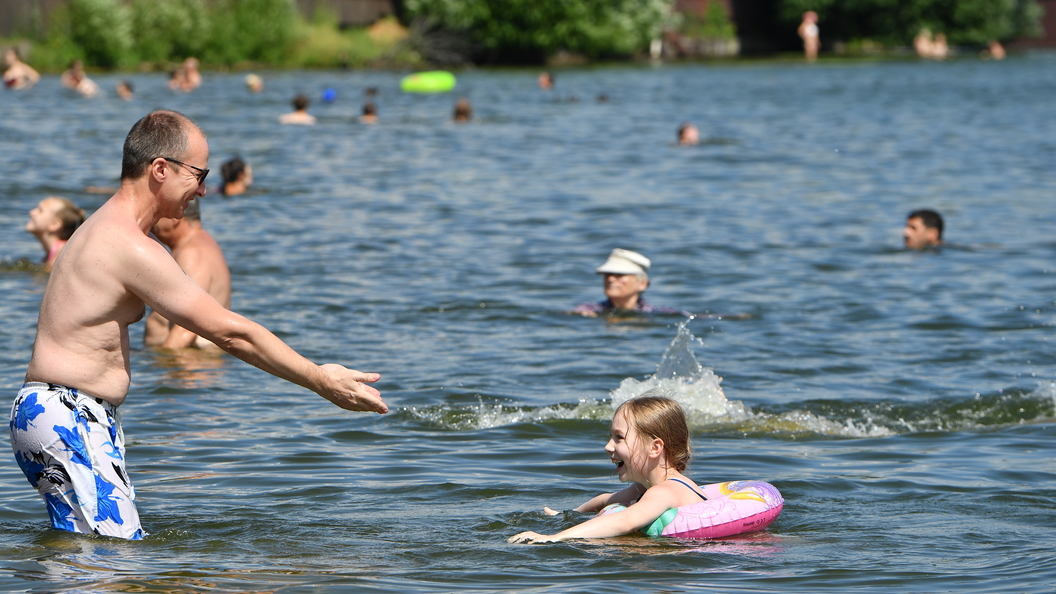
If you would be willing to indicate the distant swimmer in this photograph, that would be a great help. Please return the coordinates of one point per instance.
(299, 115)
(254, 83)
(808, 31)
(688, 134)
(923, 229)
(198, 254)
(625, 279)
(463, 111)
(237, 177)
(18, 75)
(125, 91)
(53, 222)
(370, 113)
(546, 81)
(186, 78)
(75, 79)
(65, 426)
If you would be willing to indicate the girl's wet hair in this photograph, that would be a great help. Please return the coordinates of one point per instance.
(70, 215)
(659, 417)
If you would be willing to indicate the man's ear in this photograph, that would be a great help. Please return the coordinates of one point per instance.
(159, 169)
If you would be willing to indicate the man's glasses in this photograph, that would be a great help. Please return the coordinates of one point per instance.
(201, 173)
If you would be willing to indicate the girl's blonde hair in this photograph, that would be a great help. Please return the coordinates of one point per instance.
(70, 215)
(659, 417)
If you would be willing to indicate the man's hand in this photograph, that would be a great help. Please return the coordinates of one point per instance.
(346, 389)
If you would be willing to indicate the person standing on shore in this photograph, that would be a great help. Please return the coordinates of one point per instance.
(808, 31)
(65, 428)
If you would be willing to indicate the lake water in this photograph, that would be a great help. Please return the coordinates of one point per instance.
(903, 402)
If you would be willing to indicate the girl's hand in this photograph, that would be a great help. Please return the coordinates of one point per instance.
(531, 538)
(550, 512)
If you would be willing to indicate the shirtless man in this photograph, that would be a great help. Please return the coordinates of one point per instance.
(198, 254)
(76, 80)
(65, 429)
(299, 115)
(18, 74)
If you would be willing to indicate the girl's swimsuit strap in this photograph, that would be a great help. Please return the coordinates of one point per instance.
(690, 488)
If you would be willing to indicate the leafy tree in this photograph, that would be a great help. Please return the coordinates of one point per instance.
(895, 22)
(169, 30)
(531, 30)
(103, 30)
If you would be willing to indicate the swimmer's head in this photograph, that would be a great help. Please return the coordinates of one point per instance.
(463, 110)
(160, 133)
(923, 229)
(254, 83)
(810, 16)
(369, 109)
(688, 134)
(55, 215)
(300, 102)
(625, 275)
(657, 417)
(235, 171)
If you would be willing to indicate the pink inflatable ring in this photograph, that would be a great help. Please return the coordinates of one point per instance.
(731, 508)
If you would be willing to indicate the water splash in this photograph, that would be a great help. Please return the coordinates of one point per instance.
(681, 377)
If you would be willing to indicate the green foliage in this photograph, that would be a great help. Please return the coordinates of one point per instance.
(895, 22)
(531, 30)
(713, 24)
(255, 30)
(103, 31)
(170, 29)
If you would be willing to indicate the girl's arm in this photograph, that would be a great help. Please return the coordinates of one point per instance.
(625, 496)
(653, 504)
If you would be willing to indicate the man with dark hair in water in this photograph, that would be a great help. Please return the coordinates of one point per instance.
(236, 177)
(65, 429)
(923, 229)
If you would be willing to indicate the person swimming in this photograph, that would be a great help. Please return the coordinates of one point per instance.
(649, 444)
(626, 277)
(52, 222)
(237, 177)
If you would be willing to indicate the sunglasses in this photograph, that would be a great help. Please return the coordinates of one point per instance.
(201, 173)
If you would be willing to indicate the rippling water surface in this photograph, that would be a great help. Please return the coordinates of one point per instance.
(903, 402)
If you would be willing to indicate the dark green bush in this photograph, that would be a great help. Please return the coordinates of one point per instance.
(103, 31)
(169, 30)
(253, 30)
(895, 22)
(531, 30)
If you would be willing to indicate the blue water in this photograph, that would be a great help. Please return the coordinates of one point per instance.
(903, 402)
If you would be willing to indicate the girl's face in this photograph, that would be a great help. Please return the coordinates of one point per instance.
(44, 218)
(625, 448)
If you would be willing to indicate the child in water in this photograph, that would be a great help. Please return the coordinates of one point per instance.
(649, 444)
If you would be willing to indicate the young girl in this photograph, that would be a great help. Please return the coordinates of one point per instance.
(649, 445)
(53, 221)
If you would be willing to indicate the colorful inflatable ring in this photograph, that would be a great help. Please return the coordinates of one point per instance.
(731, 508)
(435, 81)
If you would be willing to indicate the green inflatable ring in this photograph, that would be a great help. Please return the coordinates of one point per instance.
(434, 81)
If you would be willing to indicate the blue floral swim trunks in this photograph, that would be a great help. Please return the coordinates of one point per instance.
(71, 448)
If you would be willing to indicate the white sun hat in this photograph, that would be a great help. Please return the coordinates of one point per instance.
(624, 262)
